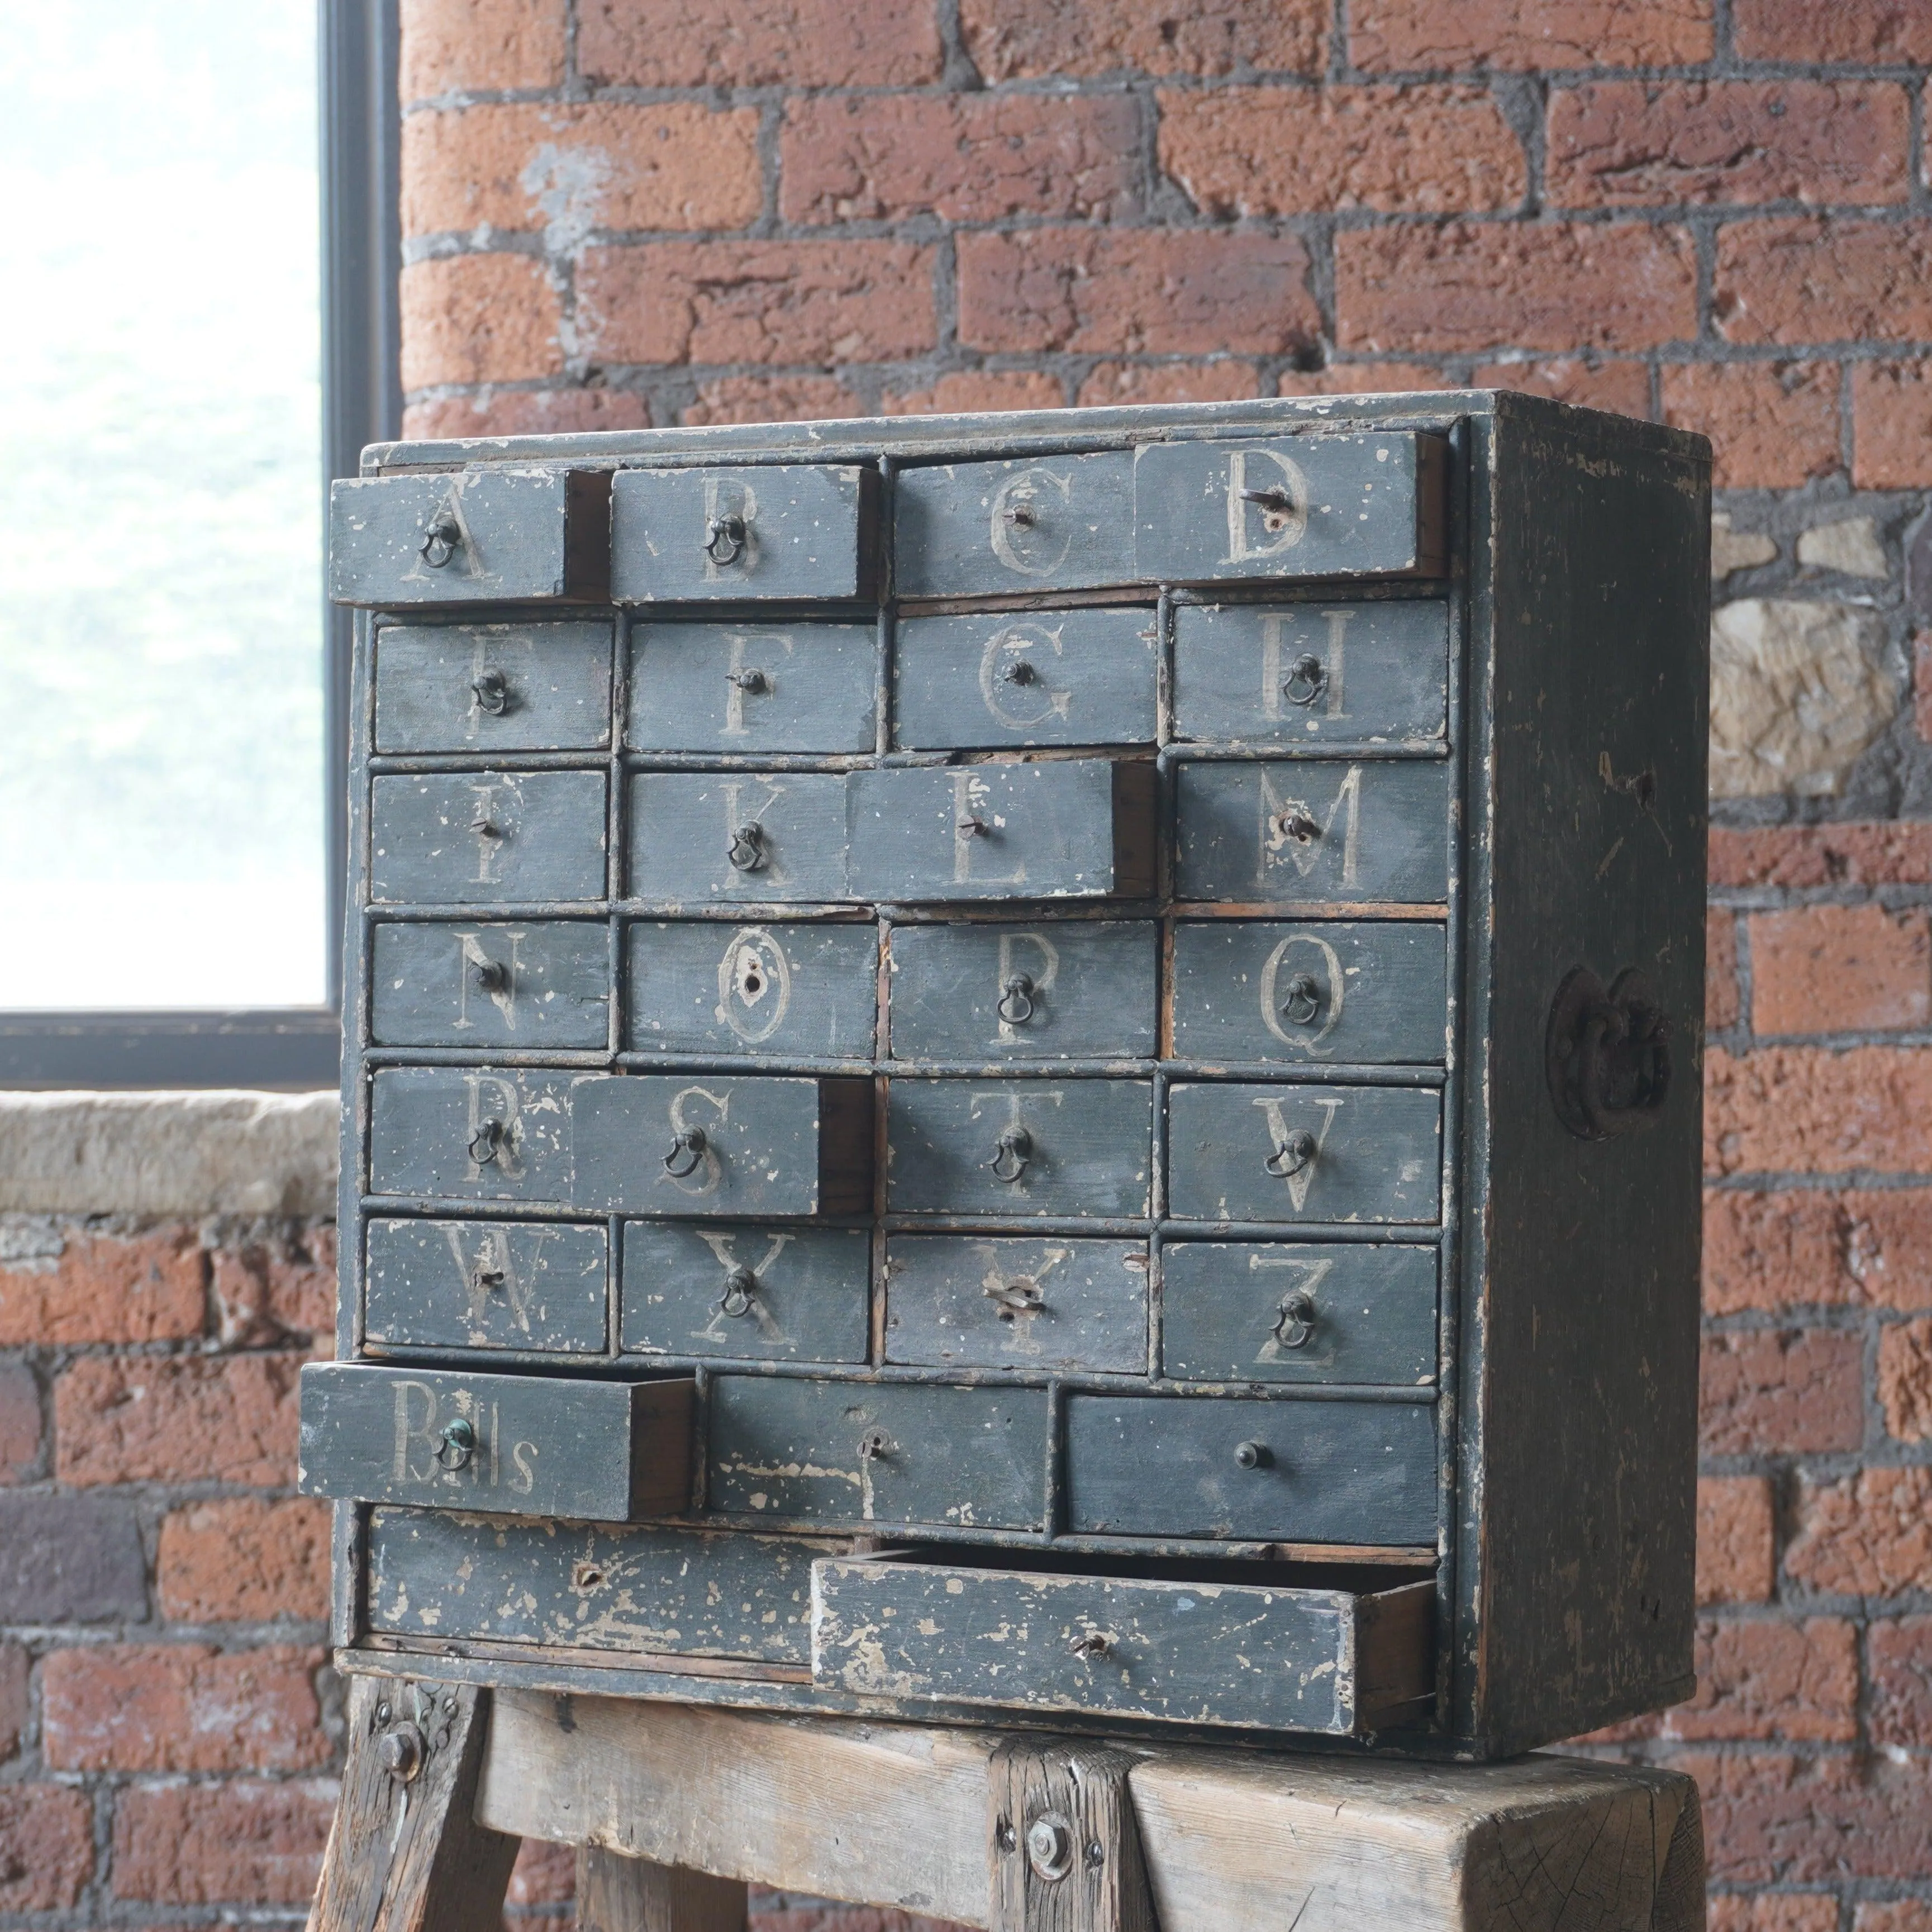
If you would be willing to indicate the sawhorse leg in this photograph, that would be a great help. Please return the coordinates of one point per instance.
(620, 1894)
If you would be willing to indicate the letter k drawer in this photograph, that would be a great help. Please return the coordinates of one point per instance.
(1044, 1063)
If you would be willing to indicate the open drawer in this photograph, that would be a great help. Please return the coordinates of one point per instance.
(1334, 1650)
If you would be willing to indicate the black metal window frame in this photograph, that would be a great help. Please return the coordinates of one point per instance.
(290, 1047)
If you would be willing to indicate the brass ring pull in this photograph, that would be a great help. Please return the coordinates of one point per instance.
(724, 539)
(1295, 1155)
(1011, 1154)
(1090, 1644)
(492, 976)
(748, 847)
(1294, 1320)
(1301, 1005)
(1015, 1297)
(740, 1291)
(457, 1445)
(486, 1142)
(1307, 680)
(442, 539)
(1016, 1006)
(492, 693)
(687, 1151)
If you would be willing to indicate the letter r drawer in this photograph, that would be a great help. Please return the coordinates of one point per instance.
(503, 1445)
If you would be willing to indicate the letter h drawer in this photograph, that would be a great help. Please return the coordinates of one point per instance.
(1037, 1065)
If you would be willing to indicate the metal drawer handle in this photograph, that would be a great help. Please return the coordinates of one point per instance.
(752, 682)
(1307, 680)
(1294, 1320)
(457, 1445)
(487, 828)
(1253, 1455)
(1019, 671)
(1295, 1155)
(488, 1278)
(1296, 824)
(1090, 1645)
(748, 847)
(1275, 502)
(492, 692)
(973, 828)
(875, 1446)
(1302, 1006)
(1021, 516)
(1015, 1297)
(724, 539)
(1012, 1152)
(486, 1142)
(1016, 1006)
(740, 1291)
(492, 976)
(687, 1151)
(442, 539)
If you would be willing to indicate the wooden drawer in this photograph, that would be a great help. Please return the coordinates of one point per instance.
(488, 687)
(478, 536)
(486, 1285)
(1311, 504)
(779, 1294)
(1259, 1645)
(532, 983)
(904, 1452)
(1284, 1312)
(759, 838)
(1062, 828)
(659, 1591)
(777, 530)
(1313, 831)
(486, 838)
(1053, 677)
(505, 1445)
(472, 1133)
(794, 991)
(1372, 992)
(711, 1145)
(1048, 522)
(753, 687)
(1311, 674)
(1019, 1148)
(1070, 990)
(976, 1302)
(1243, 1152)
(1282, 1471)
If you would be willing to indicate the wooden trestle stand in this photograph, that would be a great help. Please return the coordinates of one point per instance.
(674, 1808)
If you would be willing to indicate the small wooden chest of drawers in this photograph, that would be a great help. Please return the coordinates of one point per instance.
(1042, 1063)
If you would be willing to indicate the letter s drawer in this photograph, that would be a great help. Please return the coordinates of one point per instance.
(505, 1445)
(1216, 1643)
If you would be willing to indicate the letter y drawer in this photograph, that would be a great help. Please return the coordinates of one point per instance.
(1042, 1064)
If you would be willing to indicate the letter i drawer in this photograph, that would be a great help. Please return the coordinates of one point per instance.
(1039, 1065)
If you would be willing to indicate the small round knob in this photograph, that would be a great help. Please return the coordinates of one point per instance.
(1253, 1456)
(752, 681)
(1049, 1845)
(400, 1753)
(487, 828)
(740, 1289)
(1018, 671)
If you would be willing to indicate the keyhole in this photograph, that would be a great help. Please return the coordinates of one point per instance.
(753, 984)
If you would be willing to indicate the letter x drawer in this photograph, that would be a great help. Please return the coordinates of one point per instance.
(1036, 1064)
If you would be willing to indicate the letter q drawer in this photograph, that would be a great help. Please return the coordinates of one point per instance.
(1038, 1067)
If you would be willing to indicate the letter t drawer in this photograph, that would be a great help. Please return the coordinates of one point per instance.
(1036, 1065)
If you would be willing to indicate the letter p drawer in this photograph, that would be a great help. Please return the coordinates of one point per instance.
(1031, 1067)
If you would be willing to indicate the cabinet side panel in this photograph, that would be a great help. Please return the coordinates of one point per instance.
(1580, 1330)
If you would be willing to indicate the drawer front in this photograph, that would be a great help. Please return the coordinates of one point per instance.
(486, 1285)
(901, 1453)
(486, 838)
(577, 1586)
(791, 990)
(1019, 1148)
(1068, 828)
(1314, 832)
(1303, 673)
(493, 687)
(482, 536)
(1205, 1648)
(1077, 990)
(759, 838)
(1307, 505)
(505, 1445)
(963, 1301)
(753, 687)
(1055, 677)
(1048, 522)
(1240, 1153)
(1378, 993)
(777, 530)
(540, 983)
(706, 1145)
(470, 1133)
(776, 1294)
(1289, 1471)
(1233, 1312)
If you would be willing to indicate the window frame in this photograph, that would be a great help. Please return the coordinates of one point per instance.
(288, 1048)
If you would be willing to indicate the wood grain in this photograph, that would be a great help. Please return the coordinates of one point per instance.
(619, 1894)
(1074, 1797)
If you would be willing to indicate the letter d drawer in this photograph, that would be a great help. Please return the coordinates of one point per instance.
(505, 1445)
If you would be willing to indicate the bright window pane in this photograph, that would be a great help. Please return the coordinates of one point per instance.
(161, 795)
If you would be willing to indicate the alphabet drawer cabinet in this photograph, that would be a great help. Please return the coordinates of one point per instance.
(1038, 1065)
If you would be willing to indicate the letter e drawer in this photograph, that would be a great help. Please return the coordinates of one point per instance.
(538, 983)
(487, 837)
(1202, 1643)
(493, 687)
(505, 1445)
(749, 687)
(539, 1285)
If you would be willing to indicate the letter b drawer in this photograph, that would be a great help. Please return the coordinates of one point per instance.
(1075, 1036)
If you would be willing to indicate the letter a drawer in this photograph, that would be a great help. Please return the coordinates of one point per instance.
(505, 1445)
